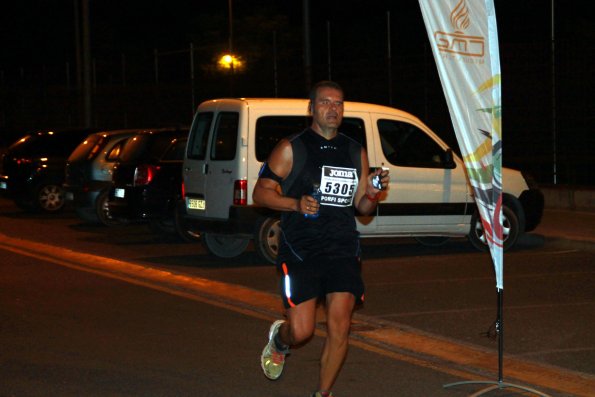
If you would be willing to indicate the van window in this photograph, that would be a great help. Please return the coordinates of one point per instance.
(197, 148)
(406, 145)
(271, 129)
(225, 137)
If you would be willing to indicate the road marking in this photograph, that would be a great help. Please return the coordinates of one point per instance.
(373, 334)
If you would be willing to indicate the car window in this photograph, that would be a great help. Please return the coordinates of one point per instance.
(44, 145)
(114, 153)
(225, 140)
(405, 145)
(85, 148)
(176, 151)
(271, 129)
(197, 148)
(146, 147)
(136, 145)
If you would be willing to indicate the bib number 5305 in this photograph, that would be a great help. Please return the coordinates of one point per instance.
(337, 188)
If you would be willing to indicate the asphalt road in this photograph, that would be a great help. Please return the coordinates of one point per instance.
(446, 293)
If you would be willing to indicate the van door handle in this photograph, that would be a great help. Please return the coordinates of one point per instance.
(223, 171)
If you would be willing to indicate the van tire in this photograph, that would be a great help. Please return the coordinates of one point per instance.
(225, 245)
(511, 232)
(266, 238)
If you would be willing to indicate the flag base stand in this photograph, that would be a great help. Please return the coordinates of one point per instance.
(495, 386)
(500, 384)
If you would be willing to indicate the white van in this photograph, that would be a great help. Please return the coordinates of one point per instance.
(429, 196)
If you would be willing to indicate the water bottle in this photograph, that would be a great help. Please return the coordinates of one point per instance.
(316, 193)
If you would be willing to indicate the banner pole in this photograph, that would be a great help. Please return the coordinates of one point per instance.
(500, 331)
(500, 384)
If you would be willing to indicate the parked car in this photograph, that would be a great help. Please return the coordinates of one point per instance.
(147, 181)
(33, 168)
(429, 196)
(89, 174)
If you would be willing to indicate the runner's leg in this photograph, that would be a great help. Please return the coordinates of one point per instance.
(301, 320)
(339, 309)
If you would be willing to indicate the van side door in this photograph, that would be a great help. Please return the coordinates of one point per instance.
(428, 188)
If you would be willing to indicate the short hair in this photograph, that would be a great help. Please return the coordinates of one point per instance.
(321, 84)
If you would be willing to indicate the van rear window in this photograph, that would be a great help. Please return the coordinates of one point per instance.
(271, 129)
(197, 147)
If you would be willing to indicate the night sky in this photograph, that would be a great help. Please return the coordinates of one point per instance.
(43, 31)
(38, 41)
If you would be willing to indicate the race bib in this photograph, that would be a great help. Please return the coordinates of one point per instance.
(338, 185)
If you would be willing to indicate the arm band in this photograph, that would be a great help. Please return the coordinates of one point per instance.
(266, 172)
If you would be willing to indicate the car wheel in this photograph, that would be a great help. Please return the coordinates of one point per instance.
(224, 245)
(50, 198)
(510, 230)
(182, 229)
(266, 238)
(432, 241)
(102, 210)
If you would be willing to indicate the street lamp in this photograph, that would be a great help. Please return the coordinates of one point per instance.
(230, 62)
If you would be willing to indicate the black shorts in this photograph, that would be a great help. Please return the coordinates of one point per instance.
(318, 276)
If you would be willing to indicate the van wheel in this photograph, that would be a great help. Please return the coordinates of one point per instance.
(224, 245)
(510, 232)
(266, 238)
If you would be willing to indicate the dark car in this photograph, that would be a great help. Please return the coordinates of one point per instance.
(33, 168)
(147, 181)
(89, 174)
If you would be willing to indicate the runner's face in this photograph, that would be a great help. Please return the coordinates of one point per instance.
(328, 108)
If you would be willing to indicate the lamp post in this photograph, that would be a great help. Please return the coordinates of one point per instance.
(230, 60)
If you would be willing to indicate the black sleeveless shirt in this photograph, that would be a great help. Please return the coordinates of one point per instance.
(334, 165)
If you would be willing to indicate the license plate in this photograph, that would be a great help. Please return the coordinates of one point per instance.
(120, 193)
(3, 185)
(197, 204)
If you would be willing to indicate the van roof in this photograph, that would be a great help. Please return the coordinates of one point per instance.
(293, 103)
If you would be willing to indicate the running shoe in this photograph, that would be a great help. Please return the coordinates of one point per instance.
(271, 359)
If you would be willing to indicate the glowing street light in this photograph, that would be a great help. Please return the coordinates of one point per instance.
(230, 62)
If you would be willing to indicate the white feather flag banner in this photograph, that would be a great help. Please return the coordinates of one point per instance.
(464, 40)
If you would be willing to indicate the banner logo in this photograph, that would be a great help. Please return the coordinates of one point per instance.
(458, 42)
